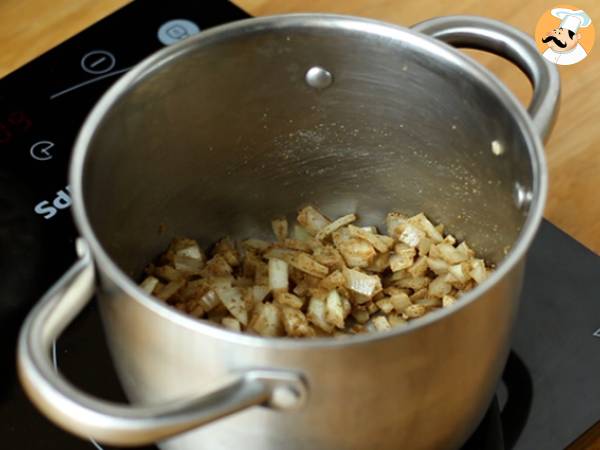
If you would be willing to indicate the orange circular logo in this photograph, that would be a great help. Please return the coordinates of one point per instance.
(565, 35)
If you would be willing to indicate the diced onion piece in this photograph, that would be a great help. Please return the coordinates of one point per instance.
(231, 323)
(224, 281)
(415, 283)
(448, 301)
(451, 254)
(424, 246)
(280, 253)
(385, 305)
(333, 226)
(418, 295)
(356, 252)
(381, 323)
(168, 273)
(231, 297)
(478, 271)
(301, 234)
(217, 266)
(465, 250)
(266, 320)
(280, 228)
(189, 248)
(396, 320)
(393, 290)
(243, 282)
(419, 268)
(227, 250)
(394, 222)
(439, 287)
(415, 311)
(329, 256)
(295, 244)
(449, 239)
(400, 302)
(361, 315)
(460, 272)
(312, 220)
(380, 263)
(346, 306)
(438, 266)
(423, 223)
(306, 263)
(287, 299)
(209, 300)
(170, 289)
(334, 309)
(196, 310)
(278, 275)
(411, 235)
(149, 284)
(316, 314)
(360, 299)
(261, 275)
(334, 280)
(395, 277)
(256, 245)
(295, 323)
(188, 264)
(378, 242)
(259, 292)
(429, 302)
(361, 283)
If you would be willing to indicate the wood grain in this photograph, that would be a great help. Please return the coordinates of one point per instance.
(29, 27)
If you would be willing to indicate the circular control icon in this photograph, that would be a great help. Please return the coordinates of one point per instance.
(41, 150)
(97, 62)
(176, 30)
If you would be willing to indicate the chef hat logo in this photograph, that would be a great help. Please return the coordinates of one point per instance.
(565, 34)
(570, 19)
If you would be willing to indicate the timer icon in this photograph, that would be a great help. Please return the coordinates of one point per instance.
(41, 150)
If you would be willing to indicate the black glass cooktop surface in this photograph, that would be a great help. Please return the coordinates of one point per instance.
(549, 394)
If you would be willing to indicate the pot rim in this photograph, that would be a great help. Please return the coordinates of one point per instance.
(342, 22)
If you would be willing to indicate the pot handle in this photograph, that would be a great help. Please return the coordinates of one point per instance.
(120, 424)
(503, 40)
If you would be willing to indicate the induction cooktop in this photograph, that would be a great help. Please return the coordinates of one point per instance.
(549, 394)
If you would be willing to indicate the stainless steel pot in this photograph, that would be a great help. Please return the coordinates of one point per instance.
(218, 134)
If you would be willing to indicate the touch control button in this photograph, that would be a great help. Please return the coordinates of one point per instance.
(98, 62)
(41, 150)
(176, 30)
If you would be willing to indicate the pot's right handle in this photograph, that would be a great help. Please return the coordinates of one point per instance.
(119, 424)
(503, 40)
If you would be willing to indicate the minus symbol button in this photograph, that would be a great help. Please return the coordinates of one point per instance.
(98, 62)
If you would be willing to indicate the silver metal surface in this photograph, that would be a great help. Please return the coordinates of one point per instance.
(514, 45)
(318, 77)
(189, 141)
(125, 424)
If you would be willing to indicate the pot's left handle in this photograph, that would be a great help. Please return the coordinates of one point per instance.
(119, 424)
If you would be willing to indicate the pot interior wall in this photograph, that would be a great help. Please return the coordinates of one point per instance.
(226, 134)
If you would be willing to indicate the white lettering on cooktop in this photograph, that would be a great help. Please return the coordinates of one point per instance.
(597, 333)
(49, 208)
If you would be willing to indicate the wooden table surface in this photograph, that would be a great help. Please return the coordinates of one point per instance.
(30, 27)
